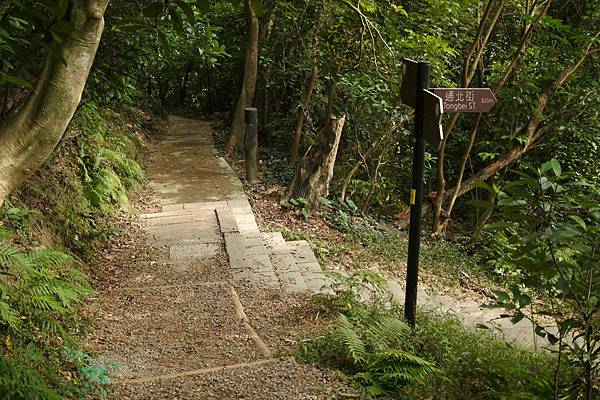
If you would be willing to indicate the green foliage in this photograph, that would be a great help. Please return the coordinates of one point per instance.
(301, 204)
(39, 292)
(93, 374)
(554, 227)
(21, 377)
(475, 364)
(18, 218)
(439, 359)
(41, 288)
(368, 340)
(367, 350)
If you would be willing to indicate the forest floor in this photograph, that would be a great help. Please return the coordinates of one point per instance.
(180, 326)
(448, 284)
(181, 315)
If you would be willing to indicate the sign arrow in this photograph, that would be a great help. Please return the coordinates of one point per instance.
(433, 108)
(469, 100)
(408, 90)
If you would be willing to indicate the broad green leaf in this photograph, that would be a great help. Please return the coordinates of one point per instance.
(502, 296)
(579, 221)
(5, 78)
(555, 167)
(187, 9)
(482, 185)
(164, 44)
(517, 318)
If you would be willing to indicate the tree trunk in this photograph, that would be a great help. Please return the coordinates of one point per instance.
(236, 133)
(469, 70)
(31, 135)
(533, 133)
(315, 169)
(477, 47)
(312, 80)
(364, 158)
(459, 178)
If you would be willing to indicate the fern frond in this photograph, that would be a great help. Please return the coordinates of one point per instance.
(386, 332)
(50, 257)
(353, 345)
(394, 368)
(9, 316)
(12, 256)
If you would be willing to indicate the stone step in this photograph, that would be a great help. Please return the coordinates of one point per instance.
(206, 205)
(284, 264)
(309, 267)
(207, 216)
(176, 213)
(189, 232)
(248, 257)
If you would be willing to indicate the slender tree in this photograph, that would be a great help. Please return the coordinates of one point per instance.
(246, 97)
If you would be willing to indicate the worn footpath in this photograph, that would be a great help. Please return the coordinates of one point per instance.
(210, 307)
(199, 304)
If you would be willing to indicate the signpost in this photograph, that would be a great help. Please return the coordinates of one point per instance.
(432, 124)
(429, 105)
(471, 100)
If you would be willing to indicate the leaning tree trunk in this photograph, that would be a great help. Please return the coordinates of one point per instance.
(236, 133)
(315, 169)
(30, 137)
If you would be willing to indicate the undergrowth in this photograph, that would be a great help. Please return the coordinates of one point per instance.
(367, 243)
(382, 357)
(48, 227)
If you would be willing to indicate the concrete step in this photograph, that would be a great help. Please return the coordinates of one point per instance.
(190, 232)
(309, 267)
(199, 213)
(285, 266)
(202, 216)
(248, 257)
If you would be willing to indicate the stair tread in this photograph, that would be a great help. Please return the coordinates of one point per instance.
(309, 266)
(285, 266)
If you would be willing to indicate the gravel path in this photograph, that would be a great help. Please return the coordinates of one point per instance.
(165, 312)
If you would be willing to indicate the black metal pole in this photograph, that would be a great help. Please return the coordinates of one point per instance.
(416, 198)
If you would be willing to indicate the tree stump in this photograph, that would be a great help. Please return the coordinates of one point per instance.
(315, 169)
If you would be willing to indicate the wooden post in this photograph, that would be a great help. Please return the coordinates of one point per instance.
(251, 144)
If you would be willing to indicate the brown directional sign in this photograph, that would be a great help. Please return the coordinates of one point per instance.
(433, 108)
(408, 90)
(469, 100)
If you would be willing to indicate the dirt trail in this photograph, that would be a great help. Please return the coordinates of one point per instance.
(167, 294)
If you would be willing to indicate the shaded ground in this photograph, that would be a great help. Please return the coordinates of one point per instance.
(171, 325)
(443, 285)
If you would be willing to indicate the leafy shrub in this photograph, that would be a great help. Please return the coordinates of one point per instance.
(370, 351)
(39, 292)
(368, 340)
(439, 359)
(554, 228)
